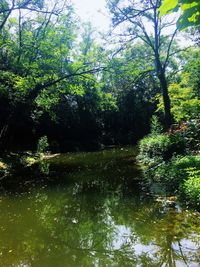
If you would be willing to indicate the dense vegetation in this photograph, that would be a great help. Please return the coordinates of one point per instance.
(62, 90)
(172, 160)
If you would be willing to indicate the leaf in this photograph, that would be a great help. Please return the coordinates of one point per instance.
(190, 17)
(167, 6)
(188, 6)
(190, 11)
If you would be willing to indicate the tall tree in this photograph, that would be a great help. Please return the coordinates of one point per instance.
(142, 21)
(7, 7)
(37, 60)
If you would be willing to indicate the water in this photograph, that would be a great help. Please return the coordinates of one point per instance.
(90, 211)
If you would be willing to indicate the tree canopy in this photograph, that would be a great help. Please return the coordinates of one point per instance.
(57, 80)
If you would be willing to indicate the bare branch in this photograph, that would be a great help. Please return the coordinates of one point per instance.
(24, 6)
(181, 50)
(130, 18)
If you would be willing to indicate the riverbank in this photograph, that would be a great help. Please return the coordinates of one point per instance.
(171, 160)
(165, 168)
(25, 169)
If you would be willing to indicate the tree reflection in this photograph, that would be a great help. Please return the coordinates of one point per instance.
(92, 222)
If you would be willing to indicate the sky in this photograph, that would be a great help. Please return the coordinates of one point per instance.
(94, 11)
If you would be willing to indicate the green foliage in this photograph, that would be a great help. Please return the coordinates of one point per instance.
(163, 162)
(191, 70)
(190, 10)
(156, 126)
(28, 161)
(188, 162)
(191, 187)
(175, 174)
(192, 135)
(185, 102)
(3, 168)
(42, 144)
(40, 62)
(168, 174)
(155, 149)
(185, 105)
(158, 156)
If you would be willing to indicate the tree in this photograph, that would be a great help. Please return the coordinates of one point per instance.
(46, 75)
(184, 87)
(7, 7)
(131, 79)
(142, 21)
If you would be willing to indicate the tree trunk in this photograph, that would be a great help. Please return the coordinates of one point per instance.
(164, 87)
(166, 100)
(160, 68)
(3, 134)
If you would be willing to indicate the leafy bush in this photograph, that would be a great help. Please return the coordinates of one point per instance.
(174, 173)
(191, 187)
(192, 135)
(156, 126)
(188, 162)
(157, 148)
(169, 174)
(185, 103)
(164, 161)
(28, 161)
(42, 144)
(153, 146)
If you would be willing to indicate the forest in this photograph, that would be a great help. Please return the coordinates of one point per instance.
(107, 113)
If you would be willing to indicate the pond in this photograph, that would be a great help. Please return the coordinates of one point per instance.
(91, 210)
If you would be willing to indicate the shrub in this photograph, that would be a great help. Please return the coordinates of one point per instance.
(191, 186)
(169, 174)
(157, 148)
(28, 161)
(192, 135)
(174, 173)
(188, 162)
(42, 145)
(156, 126)
(165, 161)
(153, 146)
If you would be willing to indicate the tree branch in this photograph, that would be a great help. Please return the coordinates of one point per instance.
(169, 48)
(39, 87)
(7, 16)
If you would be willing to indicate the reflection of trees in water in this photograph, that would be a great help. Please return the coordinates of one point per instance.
(168, 234)
(80, 227)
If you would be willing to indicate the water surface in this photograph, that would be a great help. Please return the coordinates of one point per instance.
(90, 211)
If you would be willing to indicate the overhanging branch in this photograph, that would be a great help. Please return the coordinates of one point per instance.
(39, 87)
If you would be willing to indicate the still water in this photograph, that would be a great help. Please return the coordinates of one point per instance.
(90, 210)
